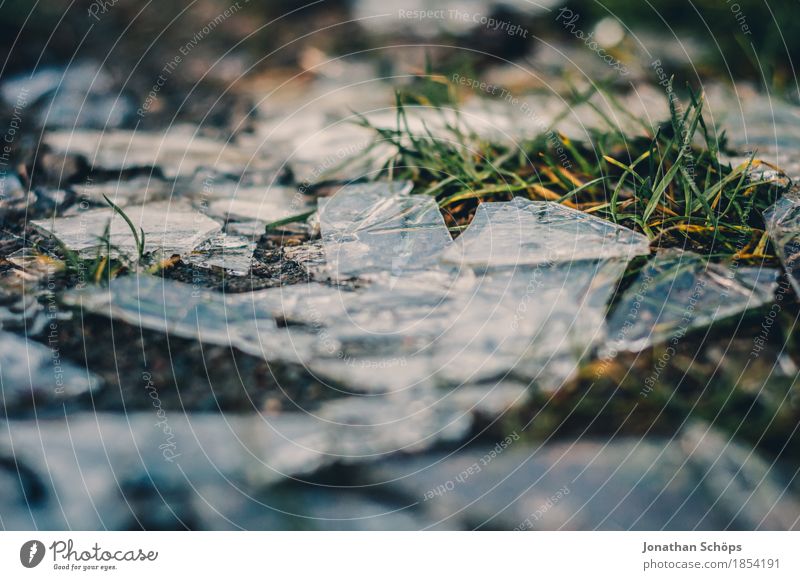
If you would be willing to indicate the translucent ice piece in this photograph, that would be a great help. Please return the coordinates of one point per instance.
(32, 371)
(535, 322)
(107, 452)
(252, 229)
(382, 338)
(82, 95)
(679, 291)
(368, 427)
(347, 209)
(523, 232)
(427, 328)
(225, 252)
(321, 147)
(127, 192)
(783, 225)
(169, 228)
(363, 428)
(171, 307)
(755, 121)
(179, 151)
(338, 150)
(246, 321)
(260, 203)
(377, 227)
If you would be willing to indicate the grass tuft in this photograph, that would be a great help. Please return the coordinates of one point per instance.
(672, 186)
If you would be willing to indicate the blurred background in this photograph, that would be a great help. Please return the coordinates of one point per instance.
(117, 49)
(262, 77)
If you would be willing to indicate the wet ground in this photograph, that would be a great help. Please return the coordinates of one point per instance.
(218, 310)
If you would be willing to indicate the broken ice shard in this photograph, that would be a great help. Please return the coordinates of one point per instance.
(247, 321)
(135, 191)
(424, 330)
(783, 226)
(680, 291)
(109, 456)
(523, 232)
(169, 228)
(178, 152)
(30, 371)
(265, 204)
(232, 254)
(173, 308)
(425, 327)
(321, 149)
(378, 227)
(82, 95)
(537, 323)
(534, 323)
(368, 427)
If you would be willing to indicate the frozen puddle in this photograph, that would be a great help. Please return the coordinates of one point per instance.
(528, 233)
(169, 228)
(679, 291)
